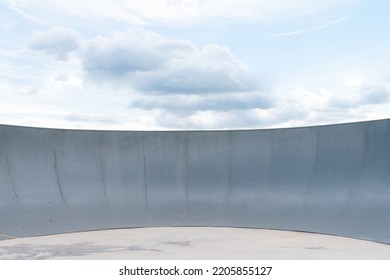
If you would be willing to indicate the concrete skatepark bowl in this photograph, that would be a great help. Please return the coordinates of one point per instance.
(332, 179)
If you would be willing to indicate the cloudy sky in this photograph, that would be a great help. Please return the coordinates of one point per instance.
(193, 64)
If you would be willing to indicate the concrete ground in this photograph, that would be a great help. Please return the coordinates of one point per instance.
(191, 243)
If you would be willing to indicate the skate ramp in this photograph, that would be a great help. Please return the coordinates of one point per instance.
(332, 179)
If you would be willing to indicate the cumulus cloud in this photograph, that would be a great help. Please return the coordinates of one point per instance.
(181, 85)
(56, 41)
(151, 63)
(178, 83)
(122, 55)
(241, 110)
(210, 68)
(168, 76)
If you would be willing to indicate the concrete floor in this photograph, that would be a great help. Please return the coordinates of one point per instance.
(191, 243)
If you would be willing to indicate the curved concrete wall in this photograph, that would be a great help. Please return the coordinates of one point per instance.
(328, 179)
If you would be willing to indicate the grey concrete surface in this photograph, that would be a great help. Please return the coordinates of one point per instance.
(327, 179)
(188, 243)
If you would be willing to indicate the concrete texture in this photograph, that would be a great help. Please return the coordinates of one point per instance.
(192, 243)
(327, 179)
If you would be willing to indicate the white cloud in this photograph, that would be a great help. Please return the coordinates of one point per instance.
(56, 41)
(175, 84)
(306, 100)
(353, 81)
(214, 111)
(151, 63)
(42, 11)
(365, 94)
(208, 69)
(142, 80)
(195, 10)
(97, 119)
(186, 104)
(324, 106)
(374, 94)
(325, 25)
(19, 8)
(139, 11)
(162, 77)
(122, 54)
(210, 120)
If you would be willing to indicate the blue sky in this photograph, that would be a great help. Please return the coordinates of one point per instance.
(195, 64)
